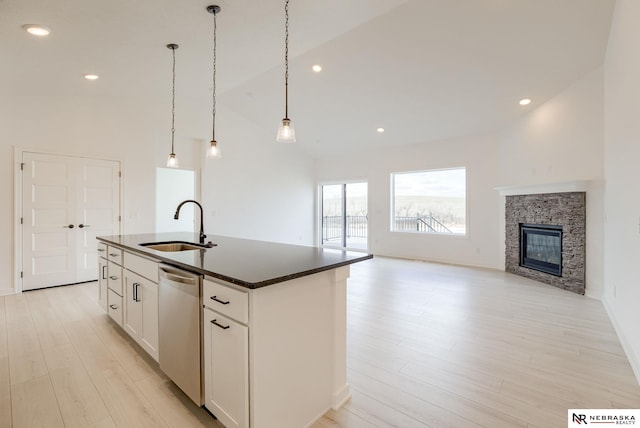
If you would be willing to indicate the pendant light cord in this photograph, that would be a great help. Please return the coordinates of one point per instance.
(286, 59)
(173, 101)
(213, 112)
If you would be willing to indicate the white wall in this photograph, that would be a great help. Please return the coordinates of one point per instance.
(478, 154)
(562, 140)
(260, 189)
(110, 128)
(622, 204)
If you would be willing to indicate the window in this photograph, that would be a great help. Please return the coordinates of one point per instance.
(429, 201)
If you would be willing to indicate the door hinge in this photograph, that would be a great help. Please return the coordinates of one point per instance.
(21, 220)
(22, 166)
(120, 174)
(119, 218)
(21, 274)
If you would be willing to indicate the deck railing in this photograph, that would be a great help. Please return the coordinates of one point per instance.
(332, 227)
(420, 223)
(356, 225)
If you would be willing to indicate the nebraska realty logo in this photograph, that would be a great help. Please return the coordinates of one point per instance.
(599, 417)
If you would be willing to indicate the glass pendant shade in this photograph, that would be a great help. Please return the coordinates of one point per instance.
(172, 161)
(286, 133)
(214, 151)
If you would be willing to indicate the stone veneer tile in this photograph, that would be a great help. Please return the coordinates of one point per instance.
(562, 209)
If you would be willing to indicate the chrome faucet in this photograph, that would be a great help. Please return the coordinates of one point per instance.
(177, 215)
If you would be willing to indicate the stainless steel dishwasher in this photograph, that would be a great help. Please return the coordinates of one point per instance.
(180, 318)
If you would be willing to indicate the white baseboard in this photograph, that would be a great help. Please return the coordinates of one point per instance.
(628, 350)
(7, 291)
(340, 397)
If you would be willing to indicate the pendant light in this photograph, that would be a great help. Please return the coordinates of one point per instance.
(286, 133)
(214, 150)
(172, 161)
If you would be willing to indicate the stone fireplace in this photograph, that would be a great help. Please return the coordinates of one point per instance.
(545, 237)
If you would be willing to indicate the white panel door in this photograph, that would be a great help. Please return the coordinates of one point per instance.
(67, 202)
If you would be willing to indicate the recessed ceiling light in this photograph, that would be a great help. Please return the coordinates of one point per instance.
(380, 130)
(525, 101)
(37, 30)
(91, 76)
(317, 68)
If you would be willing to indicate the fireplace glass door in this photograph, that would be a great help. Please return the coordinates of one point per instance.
(541, 248)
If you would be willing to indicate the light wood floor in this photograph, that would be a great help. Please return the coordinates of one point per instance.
(429, 346)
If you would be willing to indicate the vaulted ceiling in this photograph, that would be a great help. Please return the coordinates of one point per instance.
(422, 69)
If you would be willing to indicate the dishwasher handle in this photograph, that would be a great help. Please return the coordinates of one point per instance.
(178, 276)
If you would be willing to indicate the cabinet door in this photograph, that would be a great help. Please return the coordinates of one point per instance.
(226, 369)
(141, 311)
(148, 293)
(102, 283)
(132, 304)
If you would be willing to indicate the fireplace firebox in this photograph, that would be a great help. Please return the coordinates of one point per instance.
(541, 248)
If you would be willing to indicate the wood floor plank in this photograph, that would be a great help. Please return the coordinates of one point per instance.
(476, 412)
(342, 419)
(27, 367)
(79, 402)
(173, 406)
(34, 404)
(5, 393)
(125, 402)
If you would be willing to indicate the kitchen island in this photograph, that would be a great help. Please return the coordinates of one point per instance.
(275, 355)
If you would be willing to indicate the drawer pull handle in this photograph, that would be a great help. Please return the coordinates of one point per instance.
(113, 307)
(220, 301)
(136, 298)
(113, 277)
(101, 250)
(114, 254)
(224, 327)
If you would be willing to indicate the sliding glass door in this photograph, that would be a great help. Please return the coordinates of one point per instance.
(344, 221)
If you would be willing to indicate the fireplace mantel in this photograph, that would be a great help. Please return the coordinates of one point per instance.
(538, 189)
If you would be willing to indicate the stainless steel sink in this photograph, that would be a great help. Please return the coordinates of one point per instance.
(174, 246)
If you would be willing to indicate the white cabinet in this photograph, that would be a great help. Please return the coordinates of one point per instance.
(141, 311)
(128, 292)
(226, 354)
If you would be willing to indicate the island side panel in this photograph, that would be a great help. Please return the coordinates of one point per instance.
(340, 388)
(292, 340)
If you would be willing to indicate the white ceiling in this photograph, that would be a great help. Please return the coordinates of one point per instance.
(423, 69)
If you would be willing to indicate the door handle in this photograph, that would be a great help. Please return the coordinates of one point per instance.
(68, 227)
(104, 272)
(82, 225)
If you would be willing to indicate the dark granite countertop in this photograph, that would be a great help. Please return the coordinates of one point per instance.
(248, 263)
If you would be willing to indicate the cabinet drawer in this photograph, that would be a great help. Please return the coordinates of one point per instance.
(226, 300)
(114, 255)
(115, 307)
(114, 277)
(102, 249)
(143, 267)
